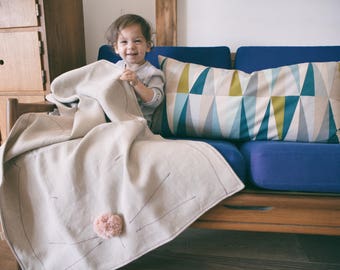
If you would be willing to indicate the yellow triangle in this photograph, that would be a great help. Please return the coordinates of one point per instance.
(235, 86)
(279, 111)
(183, 84)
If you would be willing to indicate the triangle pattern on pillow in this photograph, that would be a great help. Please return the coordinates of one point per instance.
(300, 102)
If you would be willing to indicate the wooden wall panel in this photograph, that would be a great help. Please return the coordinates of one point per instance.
(166, 22)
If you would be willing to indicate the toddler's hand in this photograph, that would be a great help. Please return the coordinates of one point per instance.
(130, 76)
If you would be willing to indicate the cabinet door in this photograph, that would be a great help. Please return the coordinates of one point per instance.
(18, 13)
(20, 62)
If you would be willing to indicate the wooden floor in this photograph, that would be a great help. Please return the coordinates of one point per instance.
(206, 250)
(7, 261)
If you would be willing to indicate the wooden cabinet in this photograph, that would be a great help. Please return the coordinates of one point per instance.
(39, 40)
(21, 68)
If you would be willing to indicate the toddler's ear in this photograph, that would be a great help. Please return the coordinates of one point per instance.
(115, 48)
(149, 46)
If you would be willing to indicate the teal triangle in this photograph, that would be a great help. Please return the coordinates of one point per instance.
(244, 133)
(308, 88)
(179, 108)
(332, 127)
(212, 126)
(198, 86)
(215, 122)
(235, 129)
(181, 127)
(190, 130)
(165, 130)
(320, 87)
(324, 129)
(290, 107)
(263, 131)
(302, 134)
(250, 113)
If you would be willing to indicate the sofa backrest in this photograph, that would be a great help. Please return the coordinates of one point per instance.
(208, 56)
(253, 58)
(247, 58)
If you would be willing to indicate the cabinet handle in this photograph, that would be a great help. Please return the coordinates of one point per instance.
(249, 207)
(2, 62)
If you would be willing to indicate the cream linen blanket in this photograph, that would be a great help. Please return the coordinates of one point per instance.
(61, 172)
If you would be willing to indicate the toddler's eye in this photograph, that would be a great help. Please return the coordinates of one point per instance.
(138, 41)
(123, 42)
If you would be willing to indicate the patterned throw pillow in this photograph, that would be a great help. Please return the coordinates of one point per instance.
(293, 103)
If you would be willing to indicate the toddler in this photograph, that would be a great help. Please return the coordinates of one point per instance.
(130, 36)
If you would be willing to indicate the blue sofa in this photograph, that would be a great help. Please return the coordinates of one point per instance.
(284, 161)
(291, 187)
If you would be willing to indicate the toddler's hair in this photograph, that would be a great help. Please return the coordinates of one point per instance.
(123, 21)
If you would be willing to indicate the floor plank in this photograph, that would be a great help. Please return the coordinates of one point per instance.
(207, 249)
(7, 261)
(216, 250)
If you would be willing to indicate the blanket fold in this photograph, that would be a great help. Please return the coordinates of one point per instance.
(59, 173)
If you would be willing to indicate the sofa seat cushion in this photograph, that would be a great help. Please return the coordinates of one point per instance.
(229, 152)
(293, 166)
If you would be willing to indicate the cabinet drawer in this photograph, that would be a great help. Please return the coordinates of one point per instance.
(20, 62)
(18, 13)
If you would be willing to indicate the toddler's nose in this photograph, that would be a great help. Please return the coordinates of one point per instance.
(131, 45)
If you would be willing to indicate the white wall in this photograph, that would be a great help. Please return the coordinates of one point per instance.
(99, 14)
(226, 22)
(258, 22)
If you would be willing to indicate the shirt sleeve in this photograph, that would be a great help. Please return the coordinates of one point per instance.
(156, 83)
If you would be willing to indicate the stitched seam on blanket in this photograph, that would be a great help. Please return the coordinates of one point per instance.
(151, 196)
(157, 244)
(21, 215)
(166, 213)
(73, 243)
(85, 255)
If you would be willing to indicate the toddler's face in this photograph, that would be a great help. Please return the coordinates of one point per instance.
(132, 45)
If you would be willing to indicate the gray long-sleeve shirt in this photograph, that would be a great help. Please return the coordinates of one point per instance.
(153, 78)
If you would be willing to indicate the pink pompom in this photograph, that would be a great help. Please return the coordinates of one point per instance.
(108, 225)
